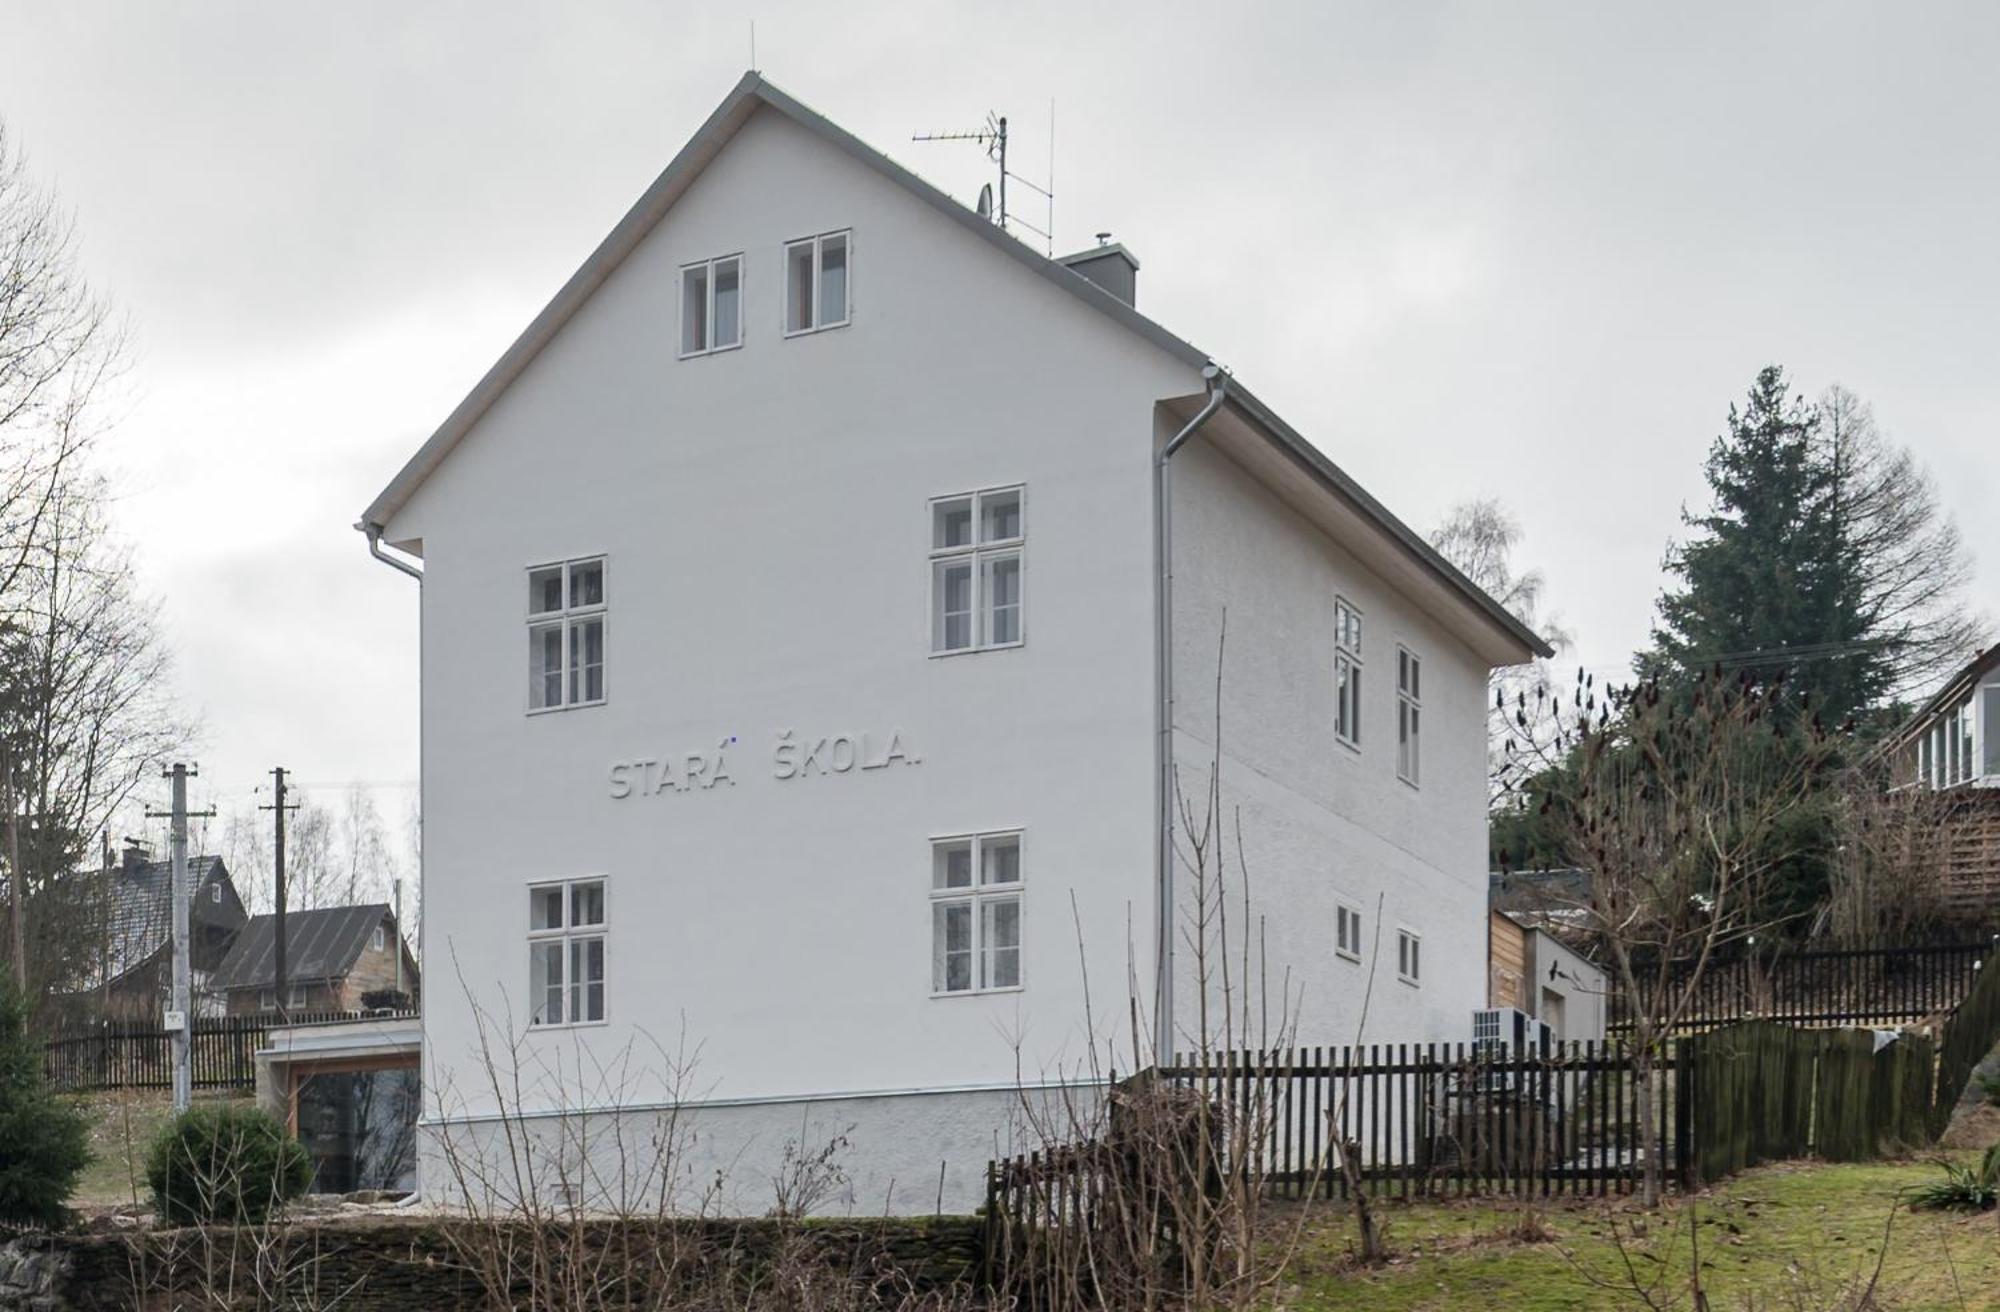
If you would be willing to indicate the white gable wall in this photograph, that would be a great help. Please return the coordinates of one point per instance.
(764, 516)
(1319, 821)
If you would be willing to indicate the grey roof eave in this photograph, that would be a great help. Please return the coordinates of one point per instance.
(1336, 480)
(1955, 687)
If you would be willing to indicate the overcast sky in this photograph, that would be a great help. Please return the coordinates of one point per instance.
(1522, 251)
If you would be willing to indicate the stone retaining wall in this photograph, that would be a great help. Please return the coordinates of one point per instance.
(412, 1265)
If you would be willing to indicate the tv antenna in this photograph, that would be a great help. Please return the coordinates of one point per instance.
(994, 138)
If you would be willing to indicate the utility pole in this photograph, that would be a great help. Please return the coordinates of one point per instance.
(278, 809)
(178, 1018)
(16, 911)
(397, 946)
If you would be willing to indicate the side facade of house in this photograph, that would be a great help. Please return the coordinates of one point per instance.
(1951, 748)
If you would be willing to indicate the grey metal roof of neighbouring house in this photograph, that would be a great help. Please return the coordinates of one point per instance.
(139, 910)
(322, 944)
(1537, 891)
(1955, 687)
(749, 95)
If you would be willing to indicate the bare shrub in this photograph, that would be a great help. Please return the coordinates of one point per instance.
(1154, 1191)
(1888, 878)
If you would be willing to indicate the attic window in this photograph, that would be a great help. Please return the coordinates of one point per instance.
(380, 940)
(816, 283)
(712, 306)
(215, 892)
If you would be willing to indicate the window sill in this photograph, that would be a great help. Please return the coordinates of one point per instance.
(1351, 957)
(567, 706)
(713, 350)
(974, 651)
(978, 993)
(569, 1025)
(1409, 783)
(1413, 983)
(1351, 744)
(816, 328)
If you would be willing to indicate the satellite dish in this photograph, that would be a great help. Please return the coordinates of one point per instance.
(986, 201)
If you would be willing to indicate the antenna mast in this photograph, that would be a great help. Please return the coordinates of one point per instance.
(994, 138)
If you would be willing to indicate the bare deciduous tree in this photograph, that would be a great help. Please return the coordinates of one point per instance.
(1675, 810)
(86, 716)
(1888, 875)
(59, 349)
(1479, 537)
(1909, 561)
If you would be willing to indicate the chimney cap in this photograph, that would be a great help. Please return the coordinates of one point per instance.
(1103, 250)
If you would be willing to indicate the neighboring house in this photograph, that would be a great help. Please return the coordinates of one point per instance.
(1531, 970)
(131, 978)
(1952, 746)
(334, 957)
(1556, 900)
(799, 660)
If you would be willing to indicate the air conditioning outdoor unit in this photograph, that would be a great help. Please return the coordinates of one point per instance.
(1509, 1029)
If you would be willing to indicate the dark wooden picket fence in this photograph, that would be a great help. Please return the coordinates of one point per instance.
(1438, 1118)
(1427, 1120)
(127, 1055)
(1432, 1120)
(1860, 986)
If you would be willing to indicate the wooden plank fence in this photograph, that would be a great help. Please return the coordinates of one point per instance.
(128, 1055)
(1887, 986)
(1758, 1092)
(1965, 1039)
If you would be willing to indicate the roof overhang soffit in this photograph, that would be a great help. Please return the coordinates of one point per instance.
(1299, 475)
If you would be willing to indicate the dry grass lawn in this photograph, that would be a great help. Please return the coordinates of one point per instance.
(122, 1124)
(1793, 1235)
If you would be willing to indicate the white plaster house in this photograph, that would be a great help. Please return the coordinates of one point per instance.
(793, 679)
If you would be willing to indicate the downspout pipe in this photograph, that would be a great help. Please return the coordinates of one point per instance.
(1217, 381)
(374, 534)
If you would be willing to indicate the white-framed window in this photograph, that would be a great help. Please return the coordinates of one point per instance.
(299, 995)
(978, 550)
(215, 892)
(1990, 728)
(566, 933)
(816, 282)
(566, 618)
(976, 913)
(267, 999)
(1347, 931)
(1409, 956)
(711, 305)
(1409, 716)
(1346, 672)
(380, 939)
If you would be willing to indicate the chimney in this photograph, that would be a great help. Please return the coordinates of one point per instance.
(135, 855)
(1109, 265)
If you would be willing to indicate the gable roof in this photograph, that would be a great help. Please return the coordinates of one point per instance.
(752, 93)
(319, 945)
(139, 910)
(1954, 688)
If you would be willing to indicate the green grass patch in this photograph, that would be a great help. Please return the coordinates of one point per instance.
(1795, 1234)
